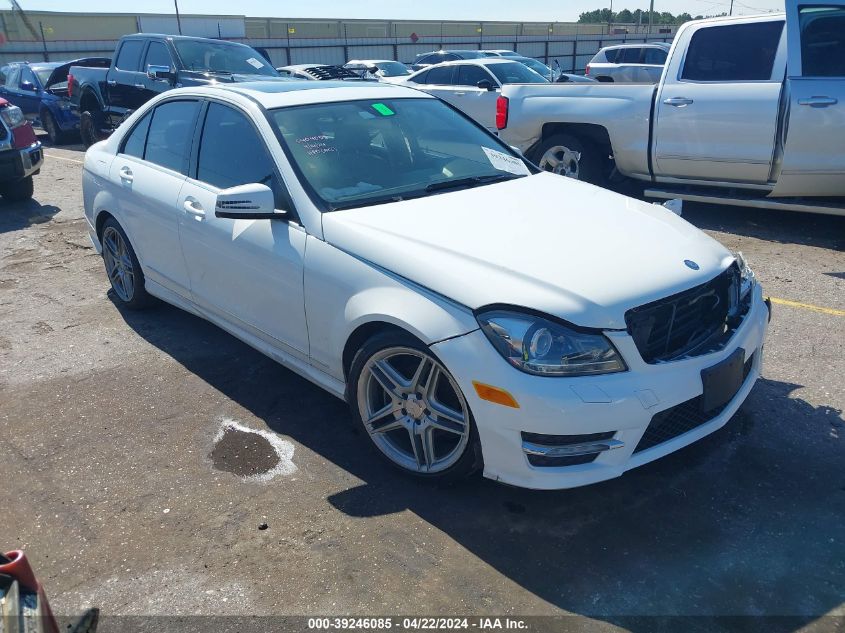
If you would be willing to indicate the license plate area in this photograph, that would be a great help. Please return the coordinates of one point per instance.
(722, 381)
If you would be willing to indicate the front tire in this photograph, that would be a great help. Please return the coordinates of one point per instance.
(412, 409)
(19, 190)
(122, 268)
(568, 156)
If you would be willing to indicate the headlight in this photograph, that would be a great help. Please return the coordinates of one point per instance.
(546, 348)
(747, 277)
(13, 116)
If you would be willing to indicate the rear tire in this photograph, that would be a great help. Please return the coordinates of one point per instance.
(569, 156)
(18, 190)
(422, 425)
(90, 123)
(123, 269)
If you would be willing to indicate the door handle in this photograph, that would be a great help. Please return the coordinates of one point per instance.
(141, 86)
(678, 102)
(818, 102)
(126, 174)
(112, 82)
(460, 94)
(193, 207)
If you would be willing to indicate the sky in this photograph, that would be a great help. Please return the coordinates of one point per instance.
(484, 10)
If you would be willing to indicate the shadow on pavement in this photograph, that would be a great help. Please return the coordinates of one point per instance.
(809, 229)
(747, 521)
(19, 215)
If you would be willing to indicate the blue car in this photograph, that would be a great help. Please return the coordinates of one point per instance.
(40, 90)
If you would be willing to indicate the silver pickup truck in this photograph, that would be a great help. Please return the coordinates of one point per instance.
(749, 111)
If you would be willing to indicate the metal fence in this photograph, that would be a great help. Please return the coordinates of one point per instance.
(572, 52)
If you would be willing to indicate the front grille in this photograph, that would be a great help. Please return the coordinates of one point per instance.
(690, 323)
(563, 440)
(675, 421)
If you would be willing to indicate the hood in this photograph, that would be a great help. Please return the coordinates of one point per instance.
(565, 248)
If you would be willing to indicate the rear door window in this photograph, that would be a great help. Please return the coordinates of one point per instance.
(440, 76)
(654, 56)
(130, 55)
(170, 134)
(735, 52)
(629, 56)
(822, 41)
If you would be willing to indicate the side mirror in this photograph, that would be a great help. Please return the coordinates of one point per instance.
(160, 73)
(28, 86)
(486, 84)
(248, 202)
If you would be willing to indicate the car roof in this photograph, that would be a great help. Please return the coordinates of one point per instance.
(453, 51)
(665, 45)
(481, 61)
(278, 94)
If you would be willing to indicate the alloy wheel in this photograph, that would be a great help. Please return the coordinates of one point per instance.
(119, 266)
(562, 161)
(413, 410)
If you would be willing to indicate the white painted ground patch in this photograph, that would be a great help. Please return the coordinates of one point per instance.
(284, 449)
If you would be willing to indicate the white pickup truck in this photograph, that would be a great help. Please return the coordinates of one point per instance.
(749, 111)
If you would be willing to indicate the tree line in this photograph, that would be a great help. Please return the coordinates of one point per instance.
(625, 16)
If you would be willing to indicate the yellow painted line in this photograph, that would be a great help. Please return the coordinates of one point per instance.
(70, 160)
(807, 306)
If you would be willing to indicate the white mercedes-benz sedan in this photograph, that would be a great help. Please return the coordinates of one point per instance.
(473, 312)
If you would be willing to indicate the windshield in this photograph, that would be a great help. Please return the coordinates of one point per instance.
(223, 58)
(393, 69)
(43, 75)
(516, 73)
(537, 67)
(357, 153)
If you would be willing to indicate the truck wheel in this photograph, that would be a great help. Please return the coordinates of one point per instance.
(89, 128)
(568, 156)
(18, 190)
(54, 133)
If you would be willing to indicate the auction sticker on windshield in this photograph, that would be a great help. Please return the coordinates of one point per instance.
(503, 162)
(254, 63)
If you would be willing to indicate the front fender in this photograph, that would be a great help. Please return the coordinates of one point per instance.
(344, 293)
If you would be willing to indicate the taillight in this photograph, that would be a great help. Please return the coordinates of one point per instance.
(587, 70)
(69, 85)
(501, 113)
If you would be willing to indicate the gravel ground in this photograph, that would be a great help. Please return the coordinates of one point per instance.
(113, 484)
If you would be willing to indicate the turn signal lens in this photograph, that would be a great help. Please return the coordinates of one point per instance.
(495, 395)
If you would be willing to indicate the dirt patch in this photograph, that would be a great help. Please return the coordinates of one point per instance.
(244, 454)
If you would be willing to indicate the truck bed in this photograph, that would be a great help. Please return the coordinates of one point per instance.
(624, 110)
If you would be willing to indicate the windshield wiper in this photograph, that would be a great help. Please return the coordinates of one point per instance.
(369, 202)
(465, 183)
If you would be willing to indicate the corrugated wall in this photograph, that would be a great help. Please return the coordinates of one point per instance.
(71, 35)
